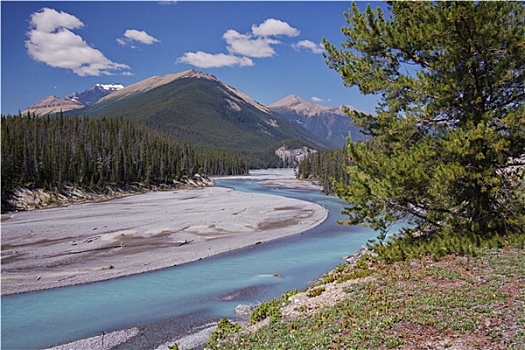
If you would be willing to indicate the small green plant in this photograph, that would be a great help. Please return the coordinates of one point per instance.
(287, 295)
(340, 268)
(364, 260)
(270, 309)
(406, 248)
(359, 273)
(224, 330)
(314, 292)
(328, 278)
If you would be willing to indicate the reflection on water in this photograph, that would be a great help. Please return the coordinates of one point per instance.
(175, 299)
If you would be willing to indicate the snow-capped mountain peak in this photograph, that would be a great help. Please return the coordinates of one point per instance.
(76, 100)
(109, 87)
(95, 93)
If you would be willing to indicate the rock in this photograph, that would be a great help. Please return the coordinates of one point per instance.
(351, 260)
(244, 310)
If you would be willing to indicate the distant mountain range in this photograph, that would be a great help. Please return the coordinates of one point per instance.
(327, 122)
(54, 104)
(95, 93)
(201, 110)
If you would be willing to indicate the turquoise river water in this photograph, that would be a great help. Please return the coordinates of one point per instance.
(173, 301)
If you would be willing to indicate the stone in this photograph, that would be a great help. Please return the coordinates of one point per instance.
(244, 310)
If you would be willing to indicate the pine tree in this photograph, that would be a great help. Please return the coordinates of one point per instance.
(447, 146)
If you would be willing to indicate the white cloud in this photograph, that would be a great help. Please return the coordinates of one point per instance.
(52, 42)
(316, 99)
(48, 20)
(248, 45)
(308, 45)
(257, 44)
(136, 35)
(274, 27)
(206, 60)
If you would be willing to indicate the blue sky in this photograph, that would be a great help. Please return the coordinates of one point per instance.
(267, 50)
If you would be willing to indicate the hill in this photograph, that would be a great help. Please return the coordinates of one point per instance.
(328, 122)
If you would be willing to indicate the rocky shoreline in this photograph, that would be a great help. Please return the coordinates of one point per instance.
(28, 199)
(332, 293)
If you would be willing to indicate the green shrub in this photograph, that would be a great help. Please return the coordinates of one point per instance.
(358, 273)
(408, 248)
(314, 292)
(270, 309)
(225, 329)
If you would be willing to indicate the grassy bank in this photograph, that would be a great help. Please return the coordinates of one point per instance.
(454, 302)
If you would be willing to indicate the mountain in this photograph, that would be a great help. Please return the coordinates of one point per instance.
(199, 109)
(54, 104)
(51, 105)
(328, 123)
(95, 93)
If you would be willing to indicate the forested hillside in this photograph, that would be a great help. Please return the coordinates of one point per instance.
(325, 167)
(48, 153)
(205, 112)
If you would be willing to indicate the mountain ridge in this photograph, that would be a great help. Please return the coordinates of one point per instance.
(54, 104)
(327, 122)
(95, 93)
(156, 81)
(321, 126)
(305, 108)
(199, 109)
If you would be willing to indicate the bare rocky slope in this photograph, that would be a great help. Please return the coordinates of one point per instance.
(31, 199)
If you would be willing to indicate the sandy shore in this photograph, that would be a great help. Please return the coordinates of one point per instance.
(97, 241)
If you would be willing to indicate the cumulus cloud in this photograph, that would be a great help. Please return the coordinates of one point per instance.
(52, 42)
(141, 36)
(308, 45)
(316, 99)
(248, 45)
(206, 60)
(259, 43)
(274, 27)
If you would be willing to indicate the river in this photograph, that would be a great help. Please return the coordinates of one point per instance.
(173, 301)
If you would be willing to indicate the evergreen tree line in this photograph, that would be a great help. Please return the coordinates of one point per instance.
(447, 149)
(48, 153)
(325, 167)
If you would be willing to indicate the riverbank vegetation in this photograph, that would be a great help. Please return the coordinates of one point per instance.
(325, 167)
(51, 153)
(457, 302)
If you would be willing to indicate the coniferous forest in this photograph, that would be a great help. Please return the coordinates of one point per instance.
(325, 167)
(51, 152)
